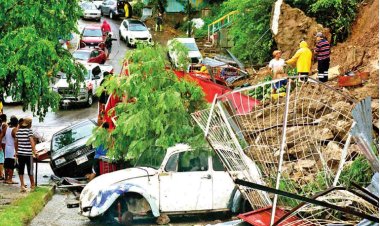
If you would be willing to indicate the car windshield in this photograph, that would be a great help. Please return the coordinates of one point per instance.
(88, 6)
(92, 33)
(137, 27)
(81, 55)
(72, 135)
(151, 158)
(191, 46)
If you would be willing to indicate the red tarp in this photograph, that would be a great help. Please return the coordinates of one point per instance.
(243, 104)
(261, 217)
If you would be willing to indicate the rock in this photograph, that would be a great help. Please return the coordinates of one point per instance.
(334, 72)
(163, 219)
(303, 164)
(323, 134)
(342, 107)
(290, 26)
(332, 155)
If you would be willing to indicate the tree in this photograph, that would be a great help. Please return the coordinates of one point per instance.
(250, 31)
(155, 113)
(30, 53)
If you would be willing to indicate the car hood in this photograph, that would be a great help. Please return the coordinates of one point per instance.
(105, 181)
(140, 34)
(92, 39)
(74, 146)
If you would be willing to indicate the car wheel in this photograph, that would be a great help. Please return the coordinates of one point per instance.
(245, 206)
(111, 15)
(90, 99)
(120, 36)
(126, 218)
(127, 41)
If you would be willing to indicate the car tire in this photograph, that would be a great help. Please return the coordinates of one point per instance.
(127, 41)
(90, 99)
(126, 218)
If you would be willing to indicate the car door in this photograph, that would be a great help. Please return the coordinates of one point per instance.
(106, 7)
(124, 29)
(186, 183)
(94, 56)
(222, 184)
(96, 78)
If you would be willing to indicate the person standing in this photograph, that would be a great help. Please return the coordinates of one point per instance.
(10, 153)
(159, 22)
(322, 51)
(3, 120)
(25, 150)
(277, 67)
(108, 44)
(302, 58)
(106, 28)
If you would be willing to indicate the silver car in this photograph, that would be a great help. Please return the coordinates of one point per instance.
(113, 8)
(90, 11)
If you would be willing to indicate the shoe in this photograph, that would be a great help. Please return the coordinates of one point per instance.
(22, 190)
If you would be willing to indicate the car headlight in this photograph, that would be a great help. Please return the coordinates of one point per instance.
(60, 161)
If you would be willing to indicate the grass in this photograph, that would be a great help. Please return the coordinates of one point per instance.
(23, 210)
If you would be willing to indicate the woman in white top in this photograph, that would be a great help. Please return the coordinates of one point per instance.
(10, 161)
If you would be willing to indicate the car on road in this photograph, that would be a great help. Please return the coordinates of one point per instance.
(92, 36)
(177, 181)
(90, 55)
(70, 155)
(194, 54)
(113, 8)
(133, 31)
(93, 78)
(90, 11)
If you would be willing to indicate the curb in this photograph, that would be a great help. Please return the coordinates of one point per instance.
(49, 195)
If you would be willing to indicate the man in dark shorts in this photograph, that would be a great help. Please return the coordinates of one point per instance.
(25, 149)
(322, 51)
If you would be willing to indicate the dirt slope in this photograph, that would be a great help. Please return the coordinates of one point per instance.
(361, 49)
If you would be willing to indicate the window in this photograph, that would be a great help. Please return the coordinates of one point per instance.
(217, 164)
(125, 24)
(189, 161)
(94, 53)
(92, 33)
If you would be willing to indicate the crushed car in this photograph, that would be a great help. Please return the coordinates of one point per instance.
(177, 181)
(70, 155)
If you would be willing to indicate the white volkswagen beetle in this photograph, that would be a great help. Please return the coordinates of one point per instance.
(179, 181)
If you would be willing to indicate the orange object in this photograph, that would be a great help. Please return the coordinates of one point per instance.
(345, 81)
(364, 75)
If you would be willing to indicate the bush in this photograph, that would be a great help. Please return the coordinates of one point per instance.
(337, 15)
(137, 8)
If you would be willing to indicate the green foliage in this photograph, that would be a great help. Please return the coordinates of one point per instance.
(138, 8)
(158, 112)
(158, 5)
(30, 53)
(337, 15)
(359, 171)
(262, 92)
(181, 52)
(250, 31)
(23, 210)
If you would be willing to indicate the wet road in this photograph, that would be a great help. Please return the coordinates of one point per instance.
(55, 213)
(55, 121)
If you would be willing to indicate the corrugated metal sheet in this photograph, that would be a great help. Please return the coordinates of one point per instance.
(175, 6)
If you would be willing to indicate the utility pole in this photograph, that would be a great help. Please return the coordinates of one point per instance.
(188, 18)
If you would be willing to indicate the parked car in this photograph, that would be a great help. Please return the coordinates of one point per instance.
(92, 36)
(194, 54)
(70, 156)
(113, 8)
(97, 3)
(90, 11)
(178, 181)
(92, 80)
(90, 55)
(133, 31)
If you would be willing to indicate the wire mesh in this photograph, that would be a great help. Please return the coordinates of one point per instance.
(316, 136)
